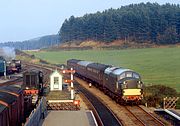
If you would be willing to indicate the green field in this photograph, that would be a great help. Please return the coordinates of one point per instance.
(155, 65)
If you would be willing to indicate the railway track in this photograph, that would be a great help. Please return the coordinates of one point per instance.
(106, 115)
(142, 117)
(12, 82)
(128, 115)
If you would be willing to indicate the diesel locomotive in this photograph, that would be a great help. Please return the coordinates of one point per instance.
(121, 84)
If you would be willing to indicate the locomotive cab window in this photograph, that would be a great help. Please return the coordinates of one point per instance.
(128, 74)
(135, 75)
(122, 76)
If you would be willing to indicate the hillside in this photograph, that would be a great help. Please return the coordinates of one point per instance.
(150, 22)
(114, 44)
(94, 45)
(36, 43)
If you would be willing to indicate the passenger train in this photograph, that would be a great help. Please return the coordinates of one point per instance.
(121, 84)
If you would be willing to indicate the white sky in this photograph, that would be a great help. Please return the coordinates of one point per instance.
(26, 19)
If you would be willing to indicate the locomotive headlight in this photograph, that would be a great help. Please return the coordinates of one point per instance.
(124, 84)
(139, 85)
(27, 88)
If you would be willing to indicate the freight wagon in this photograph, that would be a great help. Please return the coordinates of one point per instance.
(11, 106)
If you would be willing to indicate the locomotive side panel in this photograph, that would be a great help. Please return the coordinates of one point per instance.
(110, 82)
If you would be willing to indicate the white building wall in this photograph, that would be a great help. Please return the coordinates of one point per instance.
(55, 86)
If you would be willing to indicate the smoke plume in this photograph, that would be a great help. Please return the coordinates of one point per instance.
(8, 53)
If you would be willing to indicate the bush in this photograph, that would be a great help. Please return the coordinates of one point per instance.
(153, 95)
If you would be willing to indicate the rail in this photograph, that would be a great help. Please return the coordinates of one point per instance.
(11, 82)
(91, 107)
(106, 115)
(143, 116)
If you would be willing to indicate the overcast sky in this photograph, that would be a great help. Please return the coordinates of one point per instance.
(27, 19)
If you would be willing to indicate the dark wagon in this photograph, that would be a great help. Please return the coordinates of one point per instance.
(10, 101)
(33, 82)
(18, 93)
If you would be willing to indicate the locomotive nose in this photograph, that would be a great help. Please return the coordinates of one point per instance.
(133, 83)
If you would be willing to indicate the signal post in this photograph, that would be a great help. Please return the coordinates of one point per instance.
(70, 81)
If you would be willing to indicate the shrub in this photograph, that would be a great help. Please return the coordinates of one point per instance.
(153, 95)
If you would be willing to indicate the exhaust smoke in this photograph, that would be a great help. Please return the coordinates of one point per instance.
(7, 53)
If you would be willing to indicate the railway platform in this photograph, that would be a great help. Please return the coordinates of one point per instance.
(69, 118)
(171, 115)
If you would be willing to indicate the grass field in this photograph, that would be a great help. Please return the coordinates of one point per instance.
(155, 65)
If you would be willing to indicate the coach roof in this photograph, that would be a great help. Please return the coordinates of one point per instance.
(84, 63)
